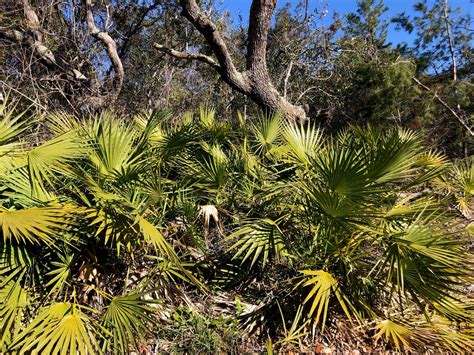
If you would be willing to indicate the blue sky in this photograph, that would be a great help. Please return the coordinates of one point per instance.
(345, 6)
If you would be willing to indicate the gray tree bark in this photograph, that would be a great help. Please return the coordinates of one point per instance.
(254, 81)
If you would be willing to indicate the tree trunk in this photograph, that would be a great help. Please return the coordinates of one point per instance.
(255, 81)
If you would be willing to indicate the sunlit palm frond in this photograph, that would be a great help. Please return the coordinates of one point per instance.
(260, 239)
(58, 328)
(19, 188)
(267, 130)
(61, 122)
(303, 142)
(443, 334)
(458, 181)
(13, 302)
(34, 225)
(214, 129)
(128, 316)
(323, 284)
(412, 206)
(11, 125)
(150, 125)
(53, 158)
(152, 235)
(428, 263)
(113, 152)
(394, 332)
(207, 115)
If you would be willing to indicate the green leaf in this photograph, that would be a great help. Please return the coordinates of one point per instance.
(323, 285)
(394, 332)
(13, 302)
(260, 239)
(127, 317)
(34, 225)
(59, 327)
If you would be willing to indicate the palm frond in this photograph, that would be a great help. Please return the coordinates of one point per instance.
(113, 151)
(303, 143)
(153, 236)
(58, 328)
(323, 284)
(128, 316)
(394, 332)
(260, 239)
(53, 157)
(11, 125)
(13, 302)
(34, 225)
(60, 274)
(267, 130)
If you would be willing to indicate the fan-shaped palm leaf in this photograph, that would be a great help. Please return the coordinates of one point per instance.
(267, 131)
(394, 332)
(323, 284)
(114, 152)
(262, 238)
(303, 142)
(10, 126)
(34, 225)
(127, 317)
(13, 301)
(58, 328)
(52, 157)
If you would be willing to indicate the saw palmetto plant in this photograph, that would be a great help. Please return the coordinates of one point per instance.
(105, 230)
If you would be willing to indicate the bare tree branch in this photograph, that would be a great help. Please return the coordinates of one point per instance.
(111, 49)
(188, 55)
(209, 30)
(255, 81)
(37, 47)
(450, 39)
(443, 103)
(287, 77)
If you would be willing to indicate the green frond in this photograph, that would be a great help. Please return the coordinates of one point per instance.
(150, 125)
(176, 141)
(443, 334)
(411, 206)
(323, 284)
(60, 274)
(303, 143)
(260, 239)
(458, 181)
(53, 157)
(267, 130)
(58, 328)
(34, 225)
(207, 116)
(393, 332)
(296, 331)
(428, 263)
(11, 126)
(19, 188)
(13, 302)
(127, 317)
(152, 235)
(61, 122)
(113, 151)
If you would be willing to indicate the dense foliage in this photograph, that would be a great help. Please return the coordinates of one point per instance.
(176, 178)
(167, 232)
